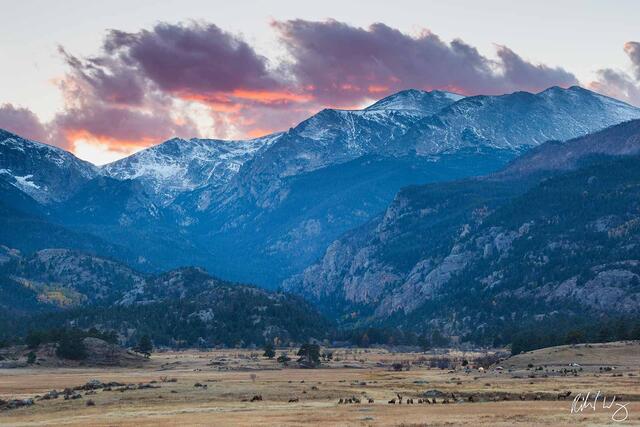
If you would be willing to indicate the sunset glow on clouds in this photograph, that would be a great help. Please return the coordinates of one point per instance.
(195, 79)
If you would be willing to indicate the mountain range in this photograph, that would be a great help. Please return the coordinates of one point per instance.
(371, 214)
(277, 202)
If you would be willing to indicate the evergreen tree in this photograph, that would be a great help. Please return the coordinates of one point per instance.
(439, 340)
(71, 347)
(269, 351)
(284, 359)
(424, 342)
(33, 339)
(145, 346)
(574, 337)
(309, 355)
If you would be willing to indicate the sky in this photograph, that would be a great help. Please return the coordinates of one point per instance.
(106, 79)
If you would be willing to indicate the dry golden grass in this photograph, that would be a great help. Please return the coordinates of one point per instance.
(233, 376)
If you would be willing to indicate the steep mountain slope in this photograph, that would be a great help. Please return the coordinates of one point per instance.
(332, 137)
(29, 226)
(106, 201)
(320, 206)
(620, 140)
(177, 165)
(13, 199)
(34, 180)
(440, 123)
(14, 297)
(128, 207)
(62, 277)
(48, 174)
(535, 237)
(124, 213)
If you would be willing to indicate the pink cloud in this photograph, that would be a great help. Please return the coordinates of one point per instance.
(22, 122)
(342, 64)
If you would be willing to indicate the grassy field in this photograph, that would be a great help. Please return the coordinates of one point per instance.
(522, 390)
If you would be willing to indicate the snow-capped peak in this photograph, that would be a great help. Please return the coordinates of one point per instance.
(179, 165)
(416, 101)
(44, 172)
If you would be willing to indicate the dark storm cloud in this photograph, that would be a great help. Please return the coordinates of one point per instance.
(519, 74)
(111, 80)
(194, 57)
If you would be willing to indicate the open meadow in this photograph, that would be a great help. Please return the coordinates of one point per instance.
(240, 387)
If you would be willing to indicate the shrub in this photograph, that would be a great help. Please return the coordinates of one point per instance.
(327, 355)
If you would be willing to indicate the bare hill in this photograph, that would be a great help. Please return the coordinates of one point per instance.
(99, 353)
(619, 355)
